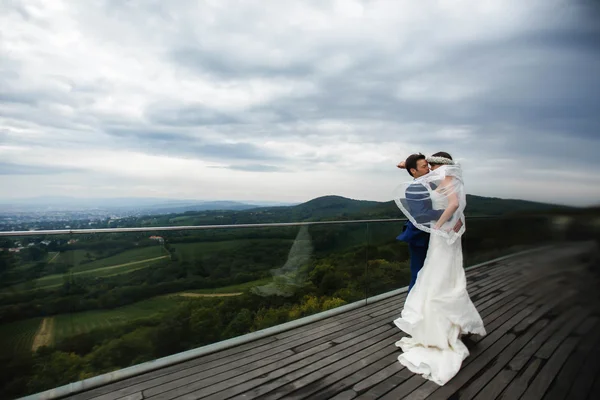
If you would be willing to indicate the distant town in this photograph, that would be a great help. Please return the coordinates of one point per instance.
(25, 221)
(71, 213)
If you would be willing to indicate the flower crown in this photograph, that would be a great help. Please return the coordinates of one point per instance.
(440, 160)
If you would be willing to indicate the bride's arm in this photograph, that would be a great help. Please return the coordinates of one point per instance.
(452, 203)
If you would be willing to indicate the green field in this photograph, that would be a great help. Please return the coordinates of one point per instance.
(17, 337)
(67, 325)
(75, 258)
(231, 289)
(121, 263)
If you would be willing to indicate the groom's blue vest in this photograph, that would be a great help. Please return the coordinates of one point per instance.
(422, 211)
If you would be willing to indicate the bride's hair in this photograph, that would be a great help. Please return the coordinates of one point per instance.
(441, 154)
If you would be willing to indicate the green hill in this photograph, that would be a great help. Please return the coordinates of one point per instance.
(333, 208)
(476, 206)
(328, 207)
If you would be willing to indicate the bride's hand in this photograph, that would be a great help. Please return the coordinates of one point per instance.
(439, 228)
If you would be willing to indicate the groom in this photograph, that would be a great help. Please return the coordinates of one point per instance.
(420, 205)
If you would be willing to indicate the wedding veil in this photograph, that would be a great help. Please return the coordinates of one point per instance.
(425, 199)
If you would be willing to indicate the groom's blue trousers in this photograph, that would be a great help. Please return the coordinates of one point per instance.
(417, 259)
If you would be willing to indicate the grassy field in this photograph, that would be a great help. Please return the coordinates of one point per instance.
(75, 258)
(17, 337)
(67, 325)
(110, 270)
(71, 257)
(230, 289)
(52, 280)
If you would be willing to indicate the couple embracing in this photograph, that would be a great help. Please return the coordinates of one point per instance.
(437, 310)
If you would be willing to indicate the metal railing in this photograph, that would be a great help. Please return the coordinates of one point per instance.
(206, 227)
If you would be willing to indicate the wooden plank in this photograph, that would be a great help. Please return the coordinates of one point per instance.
(351, 380)
(500, 362)
(492, 321)
(518, 386)
(503, 379)
(363, 327)
(584, 382)
(383, 387)
(309, 384)
(402, 390)
(570, 370)
(377, 377)
(544, 377)
(192, 382)
(520, 290)
(198, 373)
(546, 351)
(542, 311)
(471, 369)
(262, 381)
(503, 280)
(299, 379)
(595, 391)
(397, 306)
(497, 385)
(523, 357)
(347, 395)
(500, 276)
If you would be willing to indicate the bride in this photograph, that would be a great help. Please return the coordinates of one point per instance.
(438, 310)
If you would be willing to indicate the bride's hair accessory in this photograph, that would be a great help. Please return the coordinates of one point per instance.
(439, 160)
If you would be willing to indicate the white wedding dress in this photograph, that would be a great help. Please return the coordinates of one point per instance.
(438, 311)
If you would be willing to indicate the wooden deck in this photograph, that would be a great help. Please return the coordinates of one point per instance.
(541, 312)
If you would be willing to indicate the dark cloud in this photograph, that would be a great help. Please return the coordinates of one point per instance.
(227, 65)
(165, 141)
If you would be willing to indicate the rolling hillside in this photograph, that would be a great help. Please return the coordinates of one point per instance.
(334, 208)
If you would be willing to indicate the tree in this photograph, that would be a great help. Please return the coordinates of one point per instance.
(205, 325)
(7, 262)
(240, 324)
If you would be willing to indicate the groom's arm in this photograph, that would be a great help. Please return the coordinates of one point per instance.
(419, 201)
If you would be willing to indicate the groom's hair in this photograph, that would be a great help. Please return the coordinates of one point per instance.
(411, 162)
(441, 154)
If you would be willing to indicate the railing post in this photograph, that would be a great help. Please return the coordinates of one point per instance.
(367, 264)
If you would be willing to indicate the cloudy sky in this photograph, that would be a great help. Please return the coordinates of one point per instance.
(289, 100)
